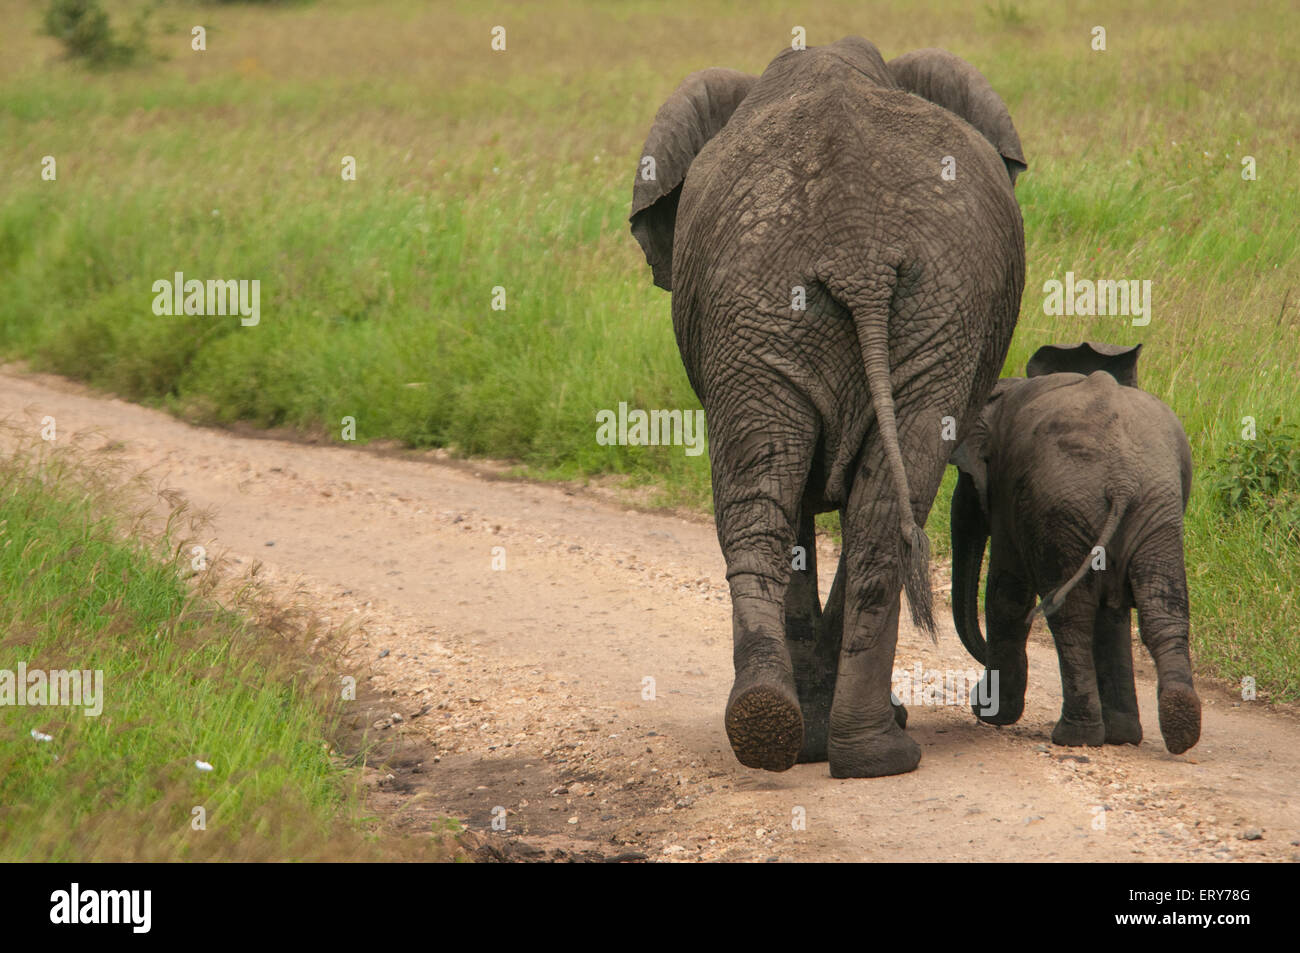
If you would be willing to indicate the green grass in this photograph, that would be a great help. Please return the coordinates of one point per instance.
(478, 169)
(185, 679)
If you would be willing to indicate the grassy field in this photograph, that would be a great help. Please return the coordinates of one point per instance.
(478, 169)
(185, 679)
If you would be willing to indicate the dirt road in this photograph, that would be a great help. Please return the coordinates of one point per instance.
(521, 692)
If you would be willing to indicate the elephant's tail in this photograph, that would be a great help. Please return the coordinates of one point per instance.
(870, 307)
(1053, 602)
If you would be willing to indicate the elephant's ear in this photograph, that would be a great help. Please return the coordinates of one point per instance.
(971, 456)
(693, 114)
(1119, 362)
(949, 81)
(969, 459)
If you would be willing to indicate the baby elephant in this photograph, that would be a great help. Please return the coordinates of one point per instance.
(1080, 480)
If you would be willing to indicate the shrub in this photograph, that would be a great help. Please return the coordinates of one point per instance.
(1263, 476)
(82, 26)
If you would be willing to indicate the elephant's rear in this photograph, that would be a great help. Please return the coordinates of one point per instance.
(1104, 466)
(801, 199)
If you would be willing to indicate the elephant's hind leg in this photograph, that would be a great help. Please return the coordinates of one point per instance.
(820, 671)
(1008, 599)
(865, 738)
(1112, 654)
(1159, 581)
(1081, 721)
(759, 473)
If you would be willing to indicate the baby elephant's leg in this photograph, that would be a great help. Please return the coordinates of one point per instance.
(1072, 626)
(1008, 599)
(1159, 581)
(1112, 654)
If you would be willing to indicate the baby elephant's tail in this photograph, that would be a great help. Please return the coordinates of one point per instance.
(1053, 602)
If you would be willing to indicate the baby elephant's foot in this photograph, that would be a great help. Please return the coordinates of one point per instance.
(992, 706)
(1180, 718)
(764, 723)
(1072, 734)
(1122, 728)
(873, 755)
(900, 710)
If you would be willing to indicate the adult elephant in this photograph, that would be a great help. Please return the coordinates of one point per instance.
(846, 257)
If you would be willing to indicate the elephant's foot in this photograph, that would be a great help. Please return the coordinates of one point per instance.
(817, 723)
(764, 723)
(1003, 708)
(900, 711)
(874, 755)
(1180, 718)
(1073, 734)
(1122, 728)
(1003, 714)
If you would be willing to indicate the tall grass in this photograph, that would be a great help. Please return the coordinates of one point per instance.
(479, 169)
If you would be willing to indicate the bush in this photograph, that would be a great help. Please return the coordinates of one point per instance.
(1263, 476)
(82, 27)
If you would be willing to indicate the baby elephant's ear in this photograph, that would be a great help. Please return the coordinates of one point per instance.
(949, 81)
(691, 116)
(971, 455)
(1119, 362)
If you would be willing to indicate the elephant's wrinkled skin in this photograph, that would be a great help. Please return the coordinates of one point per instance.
(1057, 464)
(835, 297)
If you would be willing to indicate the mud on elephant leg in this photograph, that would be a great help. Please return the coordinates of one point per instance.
(1112, 655)
(1008, 600)
(1072, 627)
(1159, 581)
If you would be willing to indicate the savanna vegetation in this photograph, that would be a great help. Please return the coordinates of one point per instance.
(478, 169)
(206, 734)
